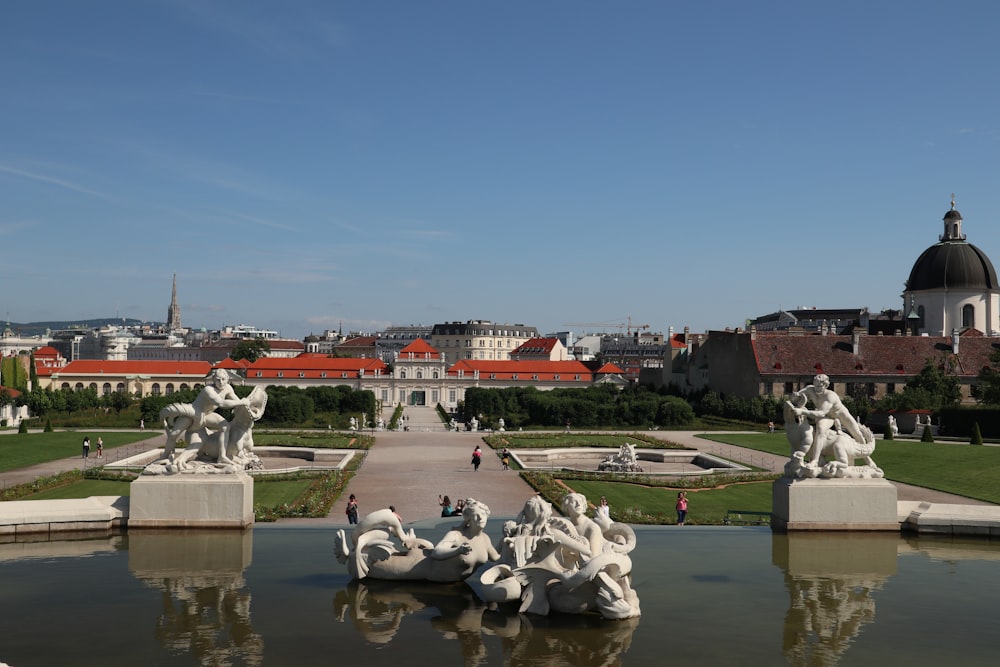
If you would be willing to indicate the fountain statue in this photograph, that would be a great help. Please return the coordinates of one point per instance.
(570, 564)
(624, 461)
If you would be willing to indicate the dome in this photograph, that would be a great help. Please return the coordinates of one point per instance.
(952, 264)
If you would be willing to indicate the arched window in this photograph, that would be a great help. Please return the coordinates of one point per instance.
(93, 385)
(78, 387)
(106, 388)
(170, 388)
(968, 315)
(402, 375)
(420, 375)
(65, 385)
(436, 375)
(120, 386)
(155, 389)
(184, 386)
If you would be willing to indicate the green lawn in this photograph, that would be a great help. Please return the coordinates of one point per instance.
(707, 506)
(26, 449)
(83, 489)
(270, 494)
(966, 470)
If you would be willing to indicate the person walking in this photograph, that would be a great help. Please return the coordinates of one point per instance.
(505, 458)
(100, 448)
(477, 458)
(352, 509)
(86, 446)
(682, 507)
(446, 508)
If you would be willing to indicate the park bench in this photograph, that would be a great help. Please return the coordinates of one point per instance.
(746, 518)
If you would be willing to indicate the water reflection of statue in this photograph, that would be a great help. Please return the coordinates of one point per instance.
(371, 552)
(379, 610)
(209, 436)
(205, 602)
(831, 586)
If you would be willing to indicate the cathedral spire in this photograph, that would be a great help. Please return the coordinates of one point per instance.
(174, 311)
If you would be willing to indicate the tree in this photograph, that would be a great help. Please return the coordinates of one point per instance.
(977, 435)
(250, 349)
(989, 381)
(933, 388)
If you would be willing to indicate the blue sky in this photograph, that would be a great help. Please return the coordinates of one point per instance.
(311, 165)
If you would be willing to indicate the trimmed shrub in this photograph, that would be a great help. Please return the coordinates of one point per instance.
(927, 435)
(977, 436)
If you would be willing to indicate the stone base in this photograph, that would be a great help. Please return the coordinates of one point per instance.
(191, 501)
(833, 504)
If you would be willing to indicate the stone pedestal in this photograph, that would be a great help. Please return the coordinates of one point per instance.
(833, 504)
(191, 501)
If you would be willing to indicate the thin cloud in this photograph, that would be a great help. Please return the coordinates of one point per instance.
(15, 226)
(42, 178)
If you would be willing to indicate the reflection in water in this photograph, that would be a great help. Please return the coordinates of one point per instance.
(205, 605)
(377, 610)
(830, 579)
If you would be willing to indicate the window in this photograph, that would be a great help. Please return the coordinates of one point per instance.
(968, 315)
(451, 396)
(402, 375)
(302, 374)
(78, 387)
(323, 374)
(420, 375)
(344, 374)
(535, 376)
(385, 395)
(281, 374)
(155, 389)
(556, 378)
(514, 376)
(65, 385)
(170, 388)
(436, 375)
(106, 388)
(259, 374)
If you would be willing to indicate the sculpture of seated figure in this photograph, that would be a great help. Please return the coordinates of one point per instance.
(453, 558)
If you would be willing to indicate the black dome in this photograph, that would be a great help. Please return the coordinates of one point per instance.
(954, 265)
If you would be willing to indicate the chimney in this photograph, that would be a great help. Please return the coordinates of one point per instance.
(856, 342)
(954, 341)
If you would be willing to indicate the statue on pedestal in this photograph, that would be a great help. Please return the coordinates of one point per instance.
(826, 439)
(226, 446)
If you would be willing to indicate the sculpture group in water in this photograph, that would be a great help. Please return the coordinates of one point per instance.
(213, 444)
(542, 562)
(826, 439)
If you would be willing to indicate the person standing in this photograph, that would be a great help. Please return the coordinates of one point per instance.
(505, 458)
(477, 458)
(86, 446)
(446, 508)
(603, 509)
(682, 507)
(100, 448)
(352, 509)
(142, 425)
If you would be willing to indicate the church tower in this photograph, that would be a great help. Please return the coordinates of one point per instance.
(953, 286)
(174, 311)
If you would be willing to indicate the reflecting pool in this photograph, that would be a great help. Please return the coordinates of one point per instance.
(710, 596)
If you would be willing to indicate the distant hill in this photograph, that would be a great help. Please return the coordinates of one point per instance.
(39, 328)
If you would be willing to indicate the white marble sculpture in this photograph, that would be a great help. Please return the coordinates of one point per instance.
(501, 424)
(826, 439)
(569, 564)
(544, 563)
(625, 460)
(354, 423)
(893, 427)
(213, 444)
(370, 550)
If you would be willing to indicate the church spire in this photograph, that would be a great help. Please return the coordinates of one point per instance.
(174, 311)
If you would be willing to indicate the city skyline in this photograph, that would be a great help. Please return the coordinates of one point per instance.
(363, 165)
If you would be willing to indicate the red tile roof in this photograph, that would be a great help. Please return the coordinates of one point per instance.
(100, 366)
(419, 349)
(524, 370)
(314, 366)
(609, 369)
(536, 346)
(782, 354)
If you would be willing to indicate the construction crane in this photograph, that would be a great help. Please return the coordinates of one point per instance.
(627, 326)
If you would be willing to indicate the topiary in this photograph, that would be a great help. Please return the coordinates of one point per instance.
(887, 432)
(48, 426)
(927, 435)
(977, 435)
(23, 428)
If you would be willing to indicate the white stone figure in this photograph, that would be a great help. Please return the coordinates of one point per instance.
(474, 424)
(453, 425)
(893, 427)
(354, 423)
(371, 552)
(821, 444)
(381, 424)
(571, 564)
(626, 460)
(196, 420)
(501, 424)
(222, 446)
